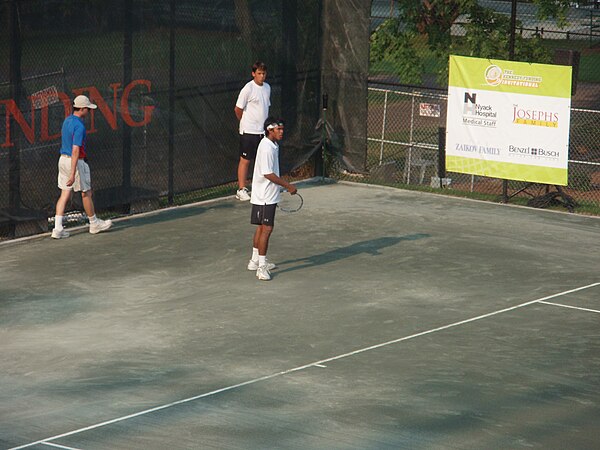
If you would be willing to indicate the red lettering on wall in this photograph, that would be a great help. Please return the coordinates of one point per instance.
(125, 105)
(28, 130)
(110, 115)
(95, 97)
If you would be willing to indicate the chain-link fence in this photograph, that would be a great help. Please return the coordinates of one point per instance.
(407, 98)
(404, 129)
(165, 75)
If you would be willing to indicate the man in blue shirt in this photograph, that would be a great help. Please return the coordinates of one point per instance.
(73, 170)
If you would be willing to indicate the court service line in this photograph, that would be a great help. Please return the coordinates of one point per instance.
(572, 307)
(320, 363)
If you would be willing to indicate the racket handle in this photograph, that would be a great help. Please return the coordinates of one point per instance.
(325, 99)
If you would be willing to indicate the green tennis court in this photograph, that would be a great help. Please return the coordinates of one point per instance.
(395, 319)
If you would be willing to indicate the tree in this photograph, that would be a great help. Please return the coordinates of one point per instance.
(428, 23)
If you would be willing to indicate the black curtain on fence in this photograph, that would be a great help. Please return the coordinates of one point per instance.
(165, 75)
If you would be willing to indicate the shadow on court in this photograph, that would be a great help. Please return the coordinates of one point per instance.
(176, 213)
(372, 247)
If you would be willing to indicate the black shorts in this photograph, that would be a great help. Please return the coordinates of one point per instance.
(249, 145)
(263, 215)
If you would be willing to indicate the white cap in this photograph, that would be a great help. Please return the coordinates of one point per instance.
(81, 101)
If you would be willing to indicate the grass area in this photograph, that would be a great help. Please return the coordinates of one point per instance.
(588, 208)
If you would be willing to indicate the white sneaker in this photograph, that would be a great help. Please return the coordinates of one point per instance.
(263, 273)
(60, 234)
(253, 265)
(100, 225)
(243, 194)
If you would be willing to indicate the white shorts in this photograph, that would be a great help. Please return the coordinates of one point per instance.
(83, 179)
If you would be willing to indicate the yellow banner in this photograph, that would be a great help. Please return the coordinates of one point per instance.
(510, 76)
(507, 171)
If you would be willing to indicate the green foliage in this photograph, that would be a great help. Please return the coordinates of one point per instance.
(389, 43)
(553, 8)
(487, 36)
(488, 33)
(532, 50)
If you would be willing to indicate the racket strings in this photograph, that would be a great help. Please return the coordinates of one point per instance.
(290, 203)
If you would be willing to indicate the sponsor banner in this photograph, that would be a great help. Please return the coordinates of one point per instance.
(508, 132)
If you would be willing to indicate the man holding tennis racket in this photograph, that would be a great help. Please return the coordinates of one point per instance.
(266, 193)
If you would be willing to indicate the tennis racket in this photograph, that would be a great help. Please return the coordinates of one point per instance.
(290, 203)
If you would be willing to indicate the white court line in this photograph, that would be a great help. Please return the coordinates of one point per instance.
(306, 366)
(572, 307)
(50, 444)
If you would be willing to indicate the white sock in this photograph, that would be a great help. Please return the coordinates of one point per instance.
(58, 222)
(262, 260)
(254, 254)
(93, 219)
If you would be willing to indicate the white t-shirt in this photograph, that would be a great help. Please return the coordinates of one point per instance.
(264, 191)
(254, 100)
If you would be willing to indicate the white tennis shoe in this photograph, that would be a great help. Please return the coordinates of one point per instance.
(243, 194)
(253, 265)
(263, 273)
(60, 234)
(100, 225)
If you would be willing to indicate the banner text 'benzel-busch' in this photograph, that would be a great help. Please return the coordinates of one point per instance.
(38, 128)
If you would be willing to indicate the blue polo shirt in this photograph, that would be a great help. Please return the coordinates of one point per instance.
(73, 133)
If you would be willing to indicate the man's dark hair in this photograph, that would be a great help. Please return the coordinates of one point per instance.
(259, 65)
(272, 121)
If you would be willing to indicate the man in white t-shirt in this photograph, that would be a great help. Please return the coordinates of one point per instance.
(251, 109)
(266, 192)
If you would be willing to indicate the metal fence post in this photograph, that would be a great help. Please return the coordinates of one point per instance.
(15, 80)
(383, 127)
(127, 74)
(171, 169)
(441, 155)
(511, 57)
(410, 138)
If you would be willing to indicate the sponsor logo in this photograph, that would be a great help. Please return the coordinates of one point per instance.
(474, 148)
(495, 76)
(477, 114)
(536, 152)
(535, 117)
